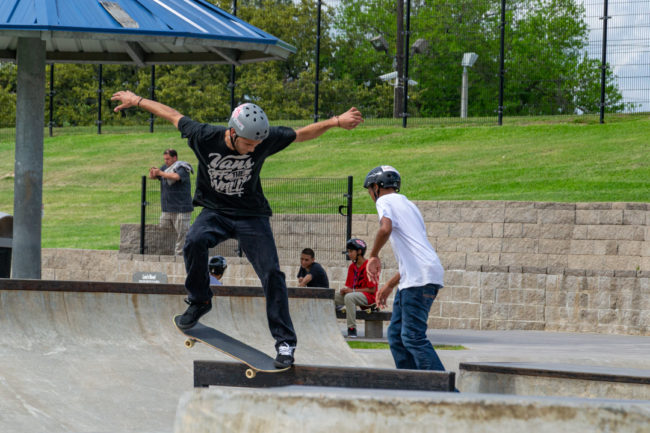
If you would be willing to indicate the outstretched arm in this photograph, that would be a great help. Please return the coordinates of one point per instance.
(129, 99)
(348, 120)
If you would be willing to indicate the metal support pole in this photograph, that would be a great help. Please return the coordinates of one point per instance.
(398, 107)
(28, 180)
(501, 61)
(405, 79)
(603, 65)
(50, 124)
(99, 101)
(143, 210)
(463, 94)
(152, 95)
(348, 230)
(317, 78)
(232, 84)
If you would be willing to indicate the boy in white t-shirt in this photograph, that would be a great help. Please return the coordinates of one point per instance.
(420, 273)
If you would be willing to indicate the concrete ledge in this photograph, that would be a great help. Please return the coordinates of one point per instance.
(314, 410)
(525, 378)
(151, 289)
(221, 373)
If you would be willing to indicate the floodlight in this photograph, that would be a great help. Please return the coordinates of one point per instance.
(379, 43)
(469, 59)
(420, 46)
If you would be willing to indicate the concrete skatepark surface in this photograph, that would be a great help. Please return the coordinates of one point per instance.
(111, 362)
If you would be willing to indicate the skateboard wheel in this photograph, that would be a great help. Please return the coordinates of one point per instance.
(250, 373)
(189, 343)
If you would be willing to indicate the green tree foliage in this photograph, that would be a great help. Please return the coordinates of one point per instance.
(547, 69)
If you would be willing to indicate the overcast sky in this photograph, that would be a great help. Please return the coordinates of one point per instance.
(628, 45)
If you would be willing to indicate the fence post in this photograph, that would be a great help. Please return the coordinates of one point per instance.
(407, 49)
(50, 124)
(603, 66)
(152, 95)
(99, 101)
(317, 77)
(501, 61)
(348, 229)
(143, 208)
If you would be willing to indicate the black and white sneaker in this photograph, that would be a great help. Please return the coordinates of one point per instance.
(352, 332)
(193, 313)
(285, 356)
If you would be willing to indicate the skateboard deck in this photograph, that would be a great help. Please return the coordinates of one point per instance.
(369, 308)
(257, 361)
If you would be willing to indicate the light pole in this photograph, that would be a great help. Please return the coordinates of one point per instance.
(400, 92)
(468, 61)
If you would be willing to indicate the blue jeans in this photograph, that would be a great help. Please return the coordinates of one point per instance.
(407, 332)
(256, 241)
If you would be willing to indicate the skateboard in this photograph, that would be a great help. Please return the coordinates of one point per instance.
(372, 308)
(256, 360)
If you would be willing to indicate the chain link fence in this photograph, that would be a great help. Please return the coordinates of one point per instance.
(307, 213)
(470, 61)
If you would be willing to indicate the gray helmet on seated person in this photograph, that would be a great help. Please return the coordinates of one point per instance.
(384, 176)
(249, 121)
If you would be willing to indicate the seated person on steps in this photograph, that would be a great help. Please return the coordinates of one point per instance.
(311, 273)
(358, 290)
(217, 266)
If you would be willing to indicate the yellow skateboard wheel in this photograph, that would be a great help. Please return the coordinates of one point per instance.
(250, 373)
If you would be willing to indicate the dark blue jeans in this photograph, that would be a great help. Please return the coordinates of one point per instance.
(256, 240)
(407, 332)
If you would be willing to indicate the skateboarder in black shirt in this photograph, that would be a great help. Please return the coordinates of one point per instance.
(229, 190)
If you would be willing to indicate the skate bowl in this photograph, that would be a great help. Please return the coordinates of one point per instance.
(90, 357)
(105, 357)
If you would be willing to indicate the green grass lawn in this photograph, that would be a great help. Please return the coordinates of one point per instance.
(92, 182)
(384, 346)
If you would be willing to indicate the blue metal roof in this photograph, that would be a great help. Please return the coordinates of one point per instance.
(142, 31)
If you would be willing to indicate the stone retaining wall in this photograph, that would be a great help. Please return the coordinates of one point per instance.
(581, 267)
(490, 297)
(471, 234)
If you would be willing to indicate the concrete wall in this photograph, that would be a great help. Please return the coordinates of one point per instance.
(489, 298)
(471, 234)
(581, 267)
(223, 409)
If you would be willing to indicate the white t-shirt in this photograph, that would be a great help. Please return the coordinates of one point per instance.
(418, 262)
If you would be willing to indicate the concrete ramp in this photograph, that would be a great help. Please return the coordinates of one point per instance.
(100, 357)
(314, 410)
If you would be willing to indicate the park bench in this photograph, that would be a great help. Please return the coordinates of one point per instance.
(374, 321)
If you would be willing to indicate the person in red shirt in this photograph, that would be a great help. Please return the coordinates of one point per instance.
(358, 290)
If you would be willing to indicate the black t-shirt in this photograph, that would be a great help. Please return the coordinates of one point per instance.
(318, 275)
(227, 181)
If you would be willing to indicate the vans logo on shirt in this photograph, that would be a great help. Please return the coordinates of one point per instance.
(229, 174)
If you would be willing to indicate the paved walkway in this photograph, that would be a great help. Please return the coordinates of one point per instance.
(532, 346)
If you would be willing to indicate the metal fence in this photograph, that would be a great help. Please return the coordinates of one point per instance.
(530, 58)
(311, 213)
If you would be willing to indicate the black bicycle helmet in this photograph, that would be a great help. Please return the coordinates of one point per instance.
(217, 265)
(384, 176)
(356, 244)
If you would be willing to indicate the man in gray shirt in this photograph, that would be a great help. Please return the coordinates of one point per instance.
(175, 196)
